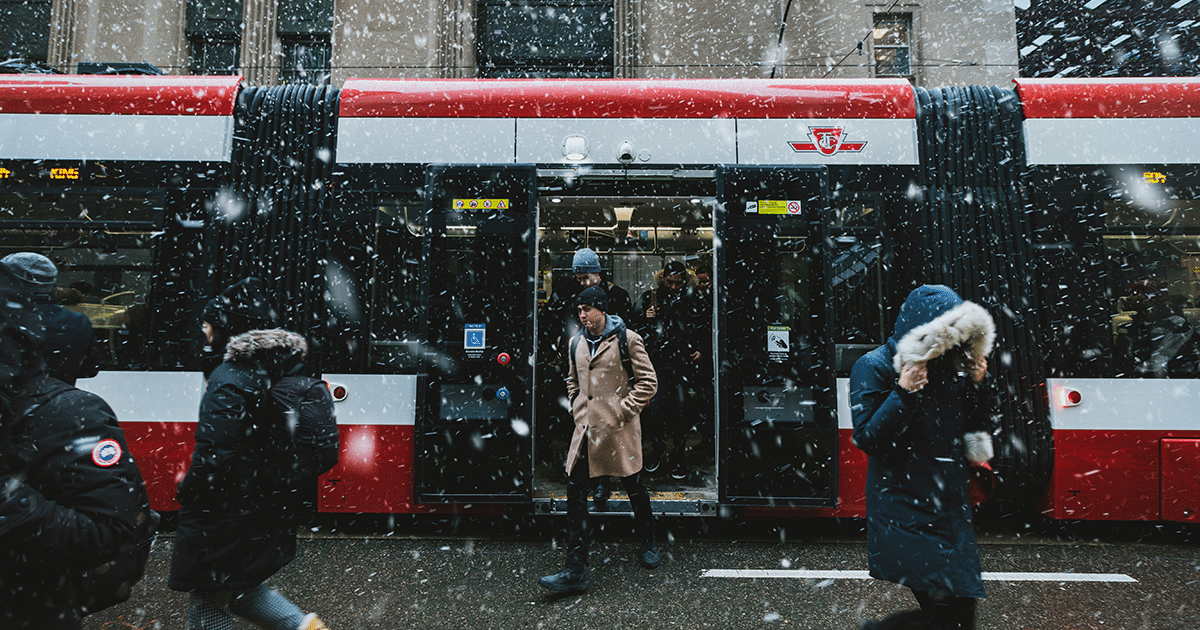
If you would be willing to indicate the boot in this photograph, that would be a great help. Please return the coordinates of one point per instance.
(569, 580)
(600, 498)
(655, 459)
(650, 558)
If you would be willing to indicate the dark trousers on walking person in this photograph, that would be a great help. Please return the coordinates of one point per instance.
(579, 484)
(573, 577)
(939, 611)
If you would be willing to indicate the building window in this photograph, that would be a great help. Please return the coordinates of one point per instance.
(24, 29)
(304, 29)
(214, 32)
(545, 38)
(893, 44)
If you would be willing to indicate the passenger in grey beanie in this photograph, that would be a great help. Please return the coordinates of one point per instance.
(71, 351)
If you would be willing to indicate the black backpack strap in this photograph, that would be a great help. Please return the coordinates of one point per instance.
(626, 361)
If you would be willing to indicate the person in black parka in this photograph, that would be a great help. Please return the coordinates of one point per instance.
(923, 406)
(233, 532)
(70, 493)
(70, 350)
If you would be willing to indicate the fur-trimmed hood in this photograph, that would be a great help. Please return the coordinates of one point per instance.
(935, 320)
(267, 347)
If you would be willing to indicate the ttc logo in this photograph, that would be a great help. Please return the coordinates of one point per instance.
(827, 141)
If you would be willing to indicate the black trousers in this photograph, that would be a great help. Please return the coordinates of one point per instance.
(579, 485)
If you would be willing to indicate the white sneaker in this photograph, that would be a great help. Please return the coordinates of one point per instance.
(312, 622)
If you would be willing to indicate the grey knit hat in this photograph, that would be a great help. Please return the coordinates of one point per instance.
(34, 270)
(585, 261)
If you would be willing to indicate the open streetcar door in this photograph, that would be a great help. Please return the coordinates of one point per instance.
(473, 428)
(778, 432)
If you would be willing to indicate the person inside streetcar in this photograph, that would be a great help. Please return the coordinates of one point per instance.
(1159, 341)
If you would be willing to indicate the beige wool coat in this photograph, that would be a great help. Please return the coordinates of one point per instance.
(606, 409)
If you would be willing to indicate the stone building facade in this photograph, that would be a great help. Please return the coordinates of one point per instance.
(932, 42)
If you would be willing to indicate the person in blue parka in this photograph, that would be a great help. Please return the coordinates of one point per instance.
(923, 405)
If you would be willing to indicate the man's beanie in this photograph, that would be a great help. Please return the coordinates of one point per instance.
(240, 308)
(35, 271)
(674, 267)
(586, 261)
(594, 297)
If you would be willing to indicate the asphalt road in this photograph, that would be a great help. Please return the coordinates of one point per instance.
(373, 573)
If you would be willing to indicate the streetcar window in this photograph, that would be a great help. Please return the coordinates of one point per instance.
(395, 286)
(1152, 254)
(119, 265)
(62, 207)
(857, 289)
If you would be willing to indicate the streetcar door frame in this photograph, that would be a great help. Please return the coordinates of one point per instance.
(474, 410)
(765, 447)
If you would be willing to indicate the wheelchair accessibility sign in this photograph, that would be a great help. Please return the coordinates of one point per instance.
(474, 339)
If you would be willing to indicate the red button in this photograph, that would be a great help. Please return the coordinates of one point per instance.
(503, 358)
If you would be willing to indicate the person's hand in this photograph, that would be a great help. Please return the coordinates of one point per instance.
(977, 369)
(650, 312)
(696, 356)
(913, 376)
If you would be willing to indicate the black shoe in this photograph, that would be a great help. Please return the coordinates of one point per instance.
(565, 581)
(650, 558)
(679, 472)
(652, 463)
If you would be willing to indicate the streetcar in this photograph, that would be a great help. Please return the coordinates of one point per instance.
(416, 230)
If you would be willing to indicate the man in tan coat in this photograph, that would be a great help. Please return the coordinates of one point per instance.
(607, 393)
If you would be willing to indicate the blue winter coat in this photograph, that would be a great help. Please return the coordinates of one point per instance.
(919, 530)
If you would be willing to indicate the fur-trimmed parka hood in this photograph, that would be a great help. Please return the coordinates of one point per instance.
(274, 349)
(935, 320)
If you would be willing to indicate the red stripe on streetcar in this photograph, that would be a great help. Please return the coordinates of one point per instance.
(618, 98)
(1110, 98)
(74, 94)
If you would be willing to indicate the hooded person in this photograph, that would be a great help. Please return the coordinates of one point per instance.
(70, 350)
(606, 400)
(70, 493)
(923, 407)
(233, 531)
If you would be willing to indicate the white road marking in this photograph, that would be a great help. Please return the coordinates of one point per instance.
(863, 575)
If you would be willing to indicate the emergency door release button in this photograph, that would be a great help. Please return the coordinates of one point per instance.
(502, 393)
(503, 358)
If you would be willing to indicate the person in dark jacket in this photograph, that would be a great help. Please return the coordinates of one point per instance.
(668, 319)
(607, 441)
(232, 532)
(70, 493)
(71, 351)
(923, 406)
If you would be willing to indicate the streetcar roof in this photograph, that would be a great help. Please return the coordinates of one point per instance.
(1110, 98)
(627, 98)
(105, 94)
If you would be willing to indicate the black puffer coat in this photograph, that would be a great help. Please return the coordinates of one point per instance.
(70, 496)
(232, 532)
(919, 530)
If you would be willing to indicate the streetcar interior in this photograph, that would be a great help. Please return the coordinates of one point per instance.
(635, 236)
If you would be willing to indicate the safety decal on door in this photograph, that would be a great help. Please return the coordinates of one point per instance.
(480, 204)
(773, 206)
(778, 342)
(474, 340)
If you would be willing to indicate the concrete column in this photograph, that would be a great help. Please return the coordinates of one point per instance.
(625, 30)
(260, 53)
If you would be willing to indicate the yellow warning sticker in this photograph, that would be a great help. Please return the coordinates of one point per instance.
(480, 204)
(773, 206)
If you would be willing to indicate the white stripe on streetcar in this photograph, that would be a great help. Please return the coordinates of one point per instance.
(803, 574)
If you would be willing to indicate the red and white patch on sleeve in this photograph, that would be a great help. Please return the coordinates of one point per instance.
(106, 453)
